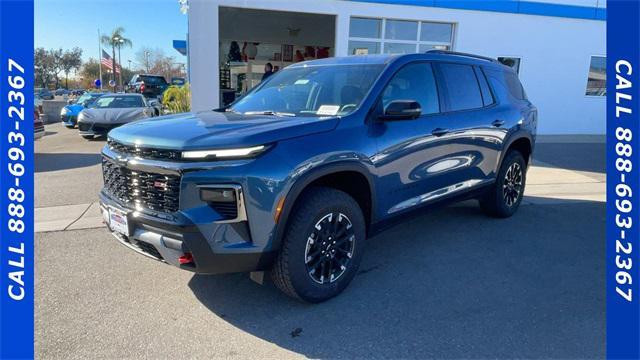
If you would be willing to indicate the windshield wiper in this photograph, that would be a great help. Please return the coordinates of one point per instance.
(270, 112)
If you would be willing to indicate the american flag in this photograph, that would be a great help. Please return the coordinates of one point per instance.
(107, 62)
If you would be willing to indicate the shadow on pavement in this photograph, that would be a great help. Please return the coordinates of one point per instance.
(452, 283)
(573, 156)
(63, 161)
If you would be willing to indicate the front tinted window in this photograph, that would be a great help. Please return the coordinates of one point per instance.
(414, 82)
(117, 102)
(461, 87)
(324, 90)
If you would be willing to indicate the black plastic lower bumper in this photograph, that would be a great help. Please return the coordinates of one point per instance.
(167, 241)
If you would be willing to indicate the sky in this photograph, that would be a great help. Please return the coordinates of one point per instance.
(69, 23)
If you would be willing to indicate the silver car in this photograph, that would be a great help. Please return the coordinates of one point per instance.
(113, 110)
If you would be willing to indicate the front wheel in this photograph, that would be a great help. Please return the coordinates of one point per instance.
(322, 246)
(505, 196)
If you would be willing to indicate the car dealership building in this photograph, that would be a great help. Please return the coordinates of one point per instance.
(558, 47)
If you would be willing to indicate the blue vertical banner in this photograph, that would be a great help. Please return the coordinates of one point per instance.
(16, 179)
(623, 180)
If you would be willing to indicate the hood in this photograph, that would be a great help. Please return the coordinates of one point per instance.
(112, 116)
(210, 130)
(74, 109)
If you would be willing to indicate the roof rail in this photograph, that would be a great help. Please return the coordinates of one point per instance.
(438, 51)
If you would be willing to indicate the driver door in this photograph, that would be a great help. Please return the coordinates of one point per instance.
(410, 153)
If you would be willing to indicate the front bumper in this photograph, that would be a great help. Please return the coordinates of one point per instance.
(168, 241)
(98, 129)
(69, 120)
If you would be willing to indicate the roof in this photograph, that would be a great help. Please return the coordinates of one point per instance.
(383, 59)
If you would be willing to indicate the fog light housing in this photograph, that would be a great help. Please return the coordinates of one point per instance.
(218, 195)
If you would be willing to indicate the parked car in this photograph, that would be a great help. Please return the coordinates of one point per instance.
(43, 94)
(113, 110)
(77, 92)
(178, 81)
(69, 113)
(37, 102)
(61, 92)
(38, 125)
(296, 175)
(151, 86)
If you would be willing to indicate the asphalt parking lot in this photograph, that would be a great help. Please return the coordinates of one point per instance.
(451, 283)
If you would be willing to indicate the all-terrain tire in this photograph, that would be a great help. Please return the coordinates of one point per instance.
(501, 201)
(309, 219)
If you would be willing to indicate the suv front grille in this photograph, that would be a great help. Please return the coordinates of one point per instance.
(156, 192)
(145, 153)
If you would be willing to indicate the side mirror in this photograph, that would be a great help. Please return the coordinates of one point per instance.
(402, 110)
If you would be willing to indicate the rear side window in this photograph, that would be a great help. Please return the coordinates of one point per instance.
(514, 86)
(487, 96)
(461, 87)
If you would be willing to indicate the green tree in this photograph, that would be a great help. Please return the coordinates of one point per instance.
(43, 67)
(70, 60)
(115, 40)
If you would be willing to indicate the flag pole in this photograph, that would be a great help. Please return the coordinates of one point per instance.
(100, 58)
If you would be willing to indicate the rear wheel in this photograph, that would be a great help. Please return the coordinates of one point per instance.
(506, 194)
(322, 246)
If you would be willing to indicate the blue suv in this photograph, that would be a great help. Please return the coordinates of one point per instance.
(293, 177)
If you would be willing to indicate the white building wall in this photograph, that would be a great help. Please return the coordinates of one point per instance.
(555, 51)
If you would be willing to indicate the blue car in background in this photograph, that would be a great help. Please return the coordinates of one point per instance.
(69, 113)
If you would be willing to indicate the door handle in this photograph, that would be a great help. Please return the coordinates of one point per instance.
(497, 123)
(439, 131)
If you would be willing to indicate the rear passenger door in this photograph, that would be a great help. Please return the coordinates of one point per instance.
(475, 129)
(414, 160)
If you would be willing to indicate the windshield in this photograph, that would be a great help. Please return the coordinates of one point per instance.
(86, 99)
(118, 102)
(326, 90)
(152, 80)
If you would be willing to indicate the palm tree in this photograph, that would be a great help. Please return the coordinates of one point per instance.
(116, 39)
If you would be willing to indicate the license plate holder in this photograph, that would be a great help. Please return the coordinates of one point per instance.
(118, 221)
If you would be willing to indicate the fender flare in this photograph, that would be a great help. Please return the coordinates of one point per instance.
(520, 134)
(303, 182)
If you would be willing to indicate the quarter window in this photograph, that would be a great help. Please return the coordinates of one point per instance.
(414, 82)
(461, 86)
(597, 80)
(389, 36)
(487, 96)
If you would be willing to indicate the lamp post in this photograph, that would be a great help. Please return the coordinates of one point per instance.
(146, 60)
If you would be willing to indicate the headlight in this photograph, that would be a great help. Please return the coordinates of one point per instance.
(224, 153)
(64, 111)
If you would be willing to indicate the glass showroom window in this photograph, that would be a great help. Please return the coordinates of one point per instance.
(388, 36)
(597, 80)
